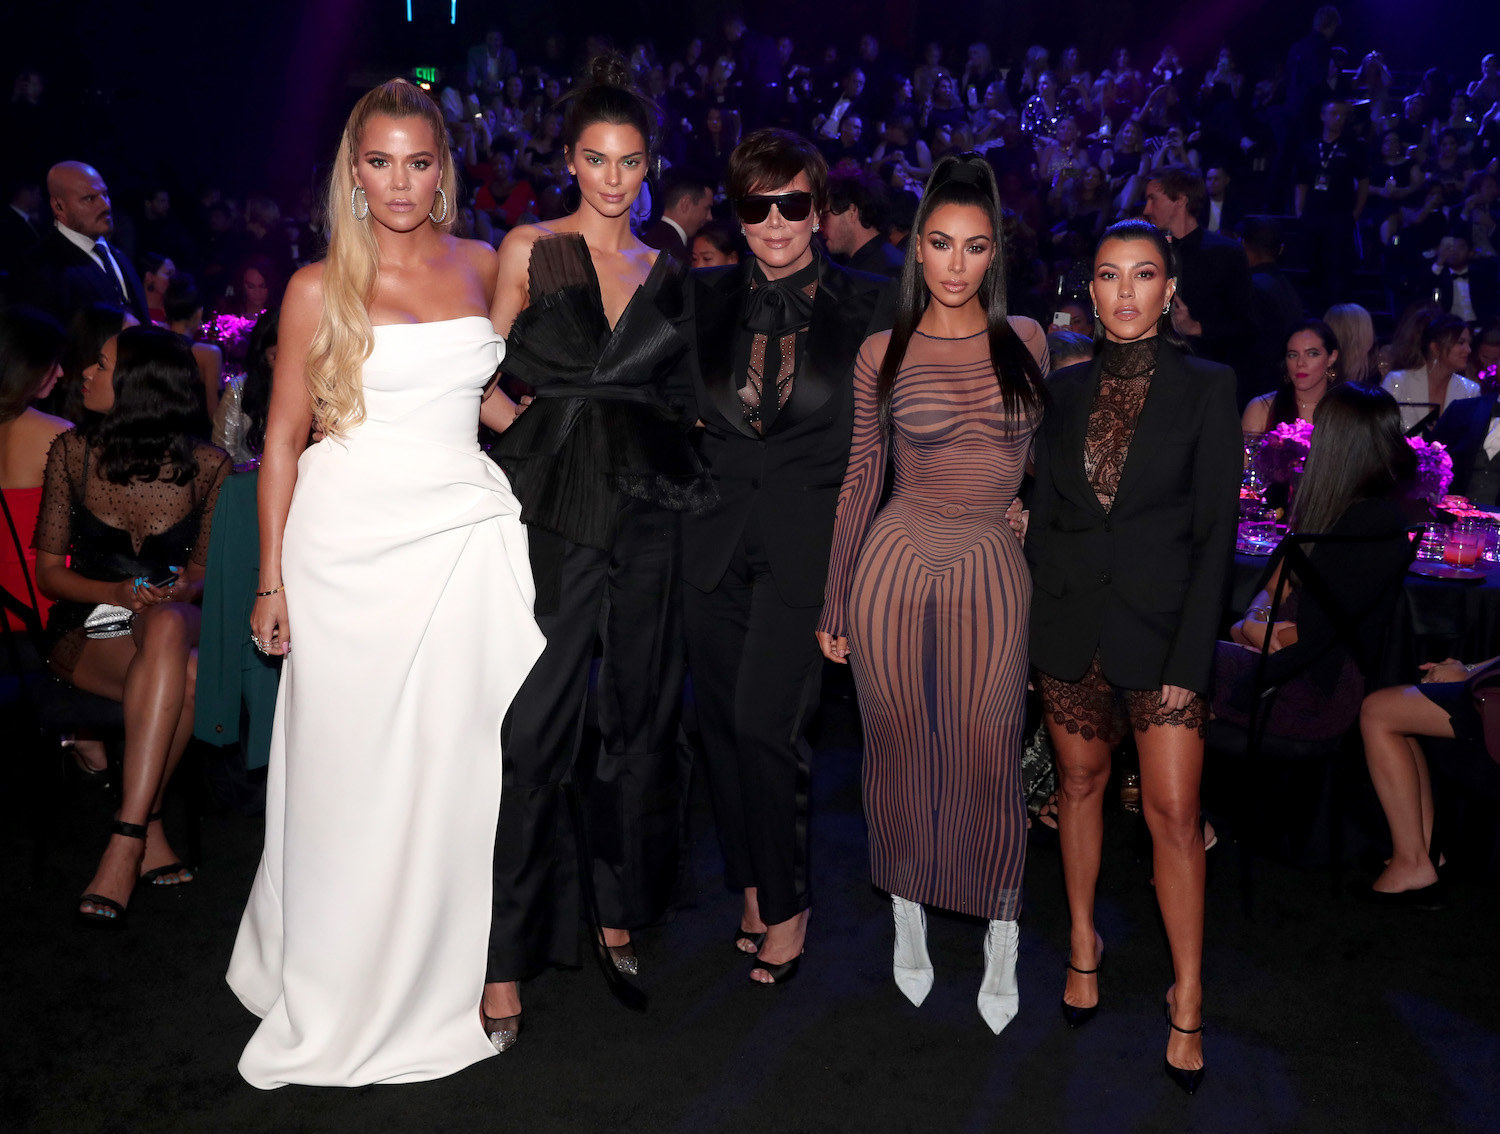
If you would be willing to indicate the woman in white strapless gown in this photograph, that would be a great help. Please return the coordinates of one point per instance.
(406, 578)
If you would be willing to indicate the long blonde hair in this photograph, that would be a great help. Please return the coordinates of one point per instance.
(1355, 330)
(344, 337)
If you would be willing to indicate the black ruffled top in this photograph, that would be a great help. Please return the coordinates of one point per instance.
(600, 429)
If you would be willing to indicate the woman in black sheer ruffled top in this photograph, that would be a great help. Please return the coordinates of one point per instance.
(602, 466)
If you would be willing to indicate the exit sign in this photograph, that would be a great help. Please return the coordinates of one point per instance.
(425, 74)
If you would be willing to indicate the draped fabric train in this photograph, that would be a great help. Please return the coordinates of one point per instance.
(410, 598)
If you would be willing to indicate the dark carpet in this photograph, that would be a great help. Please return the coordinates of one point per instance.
(1324, 1014)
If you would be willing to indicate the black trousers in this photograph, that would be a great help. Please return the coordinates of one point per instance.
(756, 670)
(1332, 256)
(631, 789)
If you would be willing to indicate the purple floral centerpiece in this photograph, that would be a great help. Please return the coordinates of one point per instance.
(1283, 453)
(232, 334)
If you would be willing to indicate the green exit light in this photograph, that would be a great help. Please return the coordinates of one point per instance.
(425, 74)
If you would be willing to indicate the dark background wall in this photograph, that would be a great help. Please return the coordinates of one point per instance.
(249, 93)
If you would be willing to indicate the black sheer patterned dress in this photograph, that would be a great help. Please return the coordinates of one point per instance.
(602, 466)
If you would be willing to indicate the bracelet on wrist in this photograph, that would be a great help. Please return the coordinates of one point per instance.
(277, 589)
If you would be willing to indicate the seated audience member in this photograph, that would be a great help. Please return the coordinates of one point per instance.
(93, 326)
(1067, 348)
(850, 144)
(1395, 178)
(542, 156)
(1071, 313)
(686, 204)
(240, 421)
(1449, 170)
(911, 155)
(854, 224)
(1464, 286)
(716, 244)
(1484, 362)
(1310, 368)
(1123, 162)
(266, 235)
(1439, 381)
(156, 273)
(253, 288)
(20, 226)
(124, 523)
(1391, 720)
(1355, 331)
(1404, 351)
(185, 320)
(490, 63)
(1480, 216)
(1358, 470)
(1222, 212)
(504, 197)
(31, 347)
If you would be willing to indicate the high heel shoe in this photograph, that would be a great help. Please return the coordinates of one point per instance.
(158, 876)
(115, 918)
(999, 994)
(622, 957)
(502, 1031)
(911, 965)
(1075, 1016)
(1189, 1081)
(744, 936)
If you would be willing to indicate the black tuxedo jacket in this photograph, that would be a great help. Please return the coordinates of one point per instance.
(1144, 584)
(790, 477)
(664, 238)
(879, 257)
(1484, 290)
(59, 277)
(1462, 429)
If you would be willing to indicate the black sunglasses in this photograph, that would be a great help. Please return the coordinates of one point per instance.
(755, 208)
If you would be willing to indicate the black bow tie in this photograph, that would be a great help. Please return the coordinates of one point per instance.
(774, 310)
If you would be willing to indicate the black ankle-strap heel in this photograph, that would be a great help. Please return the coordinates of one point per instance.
(115, 917)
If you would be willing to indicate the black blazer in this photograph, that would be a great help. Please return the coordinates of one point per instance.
(789, 477)
(1145, 583)
(1484, 290)
(59, 277)
(1462, 429)
(664, 238)
(879, 257)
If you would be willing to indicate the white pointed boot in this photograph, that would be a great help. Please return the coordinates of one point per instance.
(912, 967)
(999, 994)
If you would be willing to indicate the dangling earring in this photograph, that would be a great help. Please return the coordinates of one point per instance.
(441, 219)
(355, 195)
(815, 226)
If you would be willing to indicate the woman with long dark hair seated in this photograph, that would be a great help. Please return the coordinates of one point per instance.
(93, 325)
(1309, 371)
(121, 539)
(1358, 469)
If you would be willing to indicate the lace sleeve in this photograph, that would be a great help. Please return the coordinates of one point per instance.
(213, 466)
(860, 495)
(54, 521)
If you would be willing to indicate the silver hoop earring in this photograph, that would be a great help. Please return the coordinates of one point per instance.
(441, 219)
(1167, 308)
(354, 195)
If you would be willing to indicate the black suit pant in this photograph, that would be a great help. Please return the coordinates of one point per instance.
(630, 789)
(756, 673)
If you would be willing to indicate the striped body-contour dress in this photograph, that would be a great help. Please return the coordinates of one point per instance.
(934, 595)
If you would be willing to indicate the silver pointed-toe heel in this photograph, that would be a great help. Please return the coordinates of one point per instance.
(911, 966)
(999, 994)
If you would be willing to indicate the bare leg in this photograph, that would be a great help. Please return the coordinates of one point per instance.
(150, 674)
(1171, 770)
(1082, 774)
(501, 998)
(1388, 721)
(784, 940)
(750, 917)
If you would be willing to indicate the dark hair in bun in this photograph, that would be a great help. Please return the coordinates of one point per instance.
(608, 94)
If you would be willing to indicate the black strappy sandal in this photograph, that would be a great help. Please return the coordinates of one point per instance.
(157, 875)
(1189, 1081)
(1075, 1016)
(98, 919)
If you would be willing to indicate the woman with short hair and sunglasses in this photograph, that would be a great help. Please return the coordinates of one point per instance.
(777, 336)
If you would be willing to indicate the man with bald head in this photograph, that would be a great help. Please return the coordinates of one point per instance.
(74, 264)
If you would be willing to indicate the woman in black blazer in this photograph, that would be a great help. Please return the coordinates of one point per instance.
(1131, 540)
(755, 564)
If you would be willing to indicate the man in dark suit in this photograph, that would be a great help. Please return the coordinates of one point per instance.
(854, 225)
(1222, 212)
(18, 233)
(1463, 286)
(686, 204)
(74, 264)
(1214, 304)
(1278, 308)
(1470, 431)
(490, 63)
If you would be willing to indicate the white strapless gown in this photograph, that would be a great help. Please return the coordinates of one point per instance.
(409, 593)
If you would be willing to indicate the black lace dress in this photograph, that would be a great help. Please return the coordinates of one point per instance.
(1092, 706)
(115, 531)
